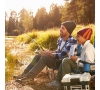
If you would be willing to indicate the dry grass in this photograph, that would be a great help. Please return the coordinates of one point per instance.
(18, 53)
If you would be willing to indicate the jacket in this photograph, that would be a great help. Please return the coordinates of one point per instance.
(69, 47)
(87, 54)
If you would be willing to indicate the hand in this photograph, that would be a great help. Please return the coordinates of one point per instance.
(42, 53)
(74, 58)
(47, 52)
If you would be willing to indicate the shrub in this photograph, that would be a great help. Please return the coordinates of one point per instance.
(8, 74)
(20, 38)
(12, 60)
(26, 38)
(10, 64)
(48, 40)
(32, 46)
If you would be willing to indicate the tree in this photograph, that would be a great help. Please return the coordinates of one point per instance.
(41, 18)
(64, 12)
(55, 15)
(26, 20)
(89, 10)
(12, 22)
(6, 24)
(80, 11)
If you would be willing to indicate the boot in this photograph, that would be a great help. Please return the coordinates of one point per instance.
(19, 76)
(28, 68)
(25, 81)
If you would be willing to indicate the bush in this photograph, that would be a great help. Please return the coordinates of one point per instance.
(8, 74)
(48, 40)
(12, 60)
(20, 38)
(10, 64)
(32, 46)
(26, 38)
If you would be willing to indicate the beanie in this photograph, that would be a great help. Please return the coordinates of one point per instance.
(69, 25)
(86, 33)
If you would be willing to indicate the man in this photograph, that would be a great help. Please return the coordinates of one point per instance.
(87, 54)
(66, 46)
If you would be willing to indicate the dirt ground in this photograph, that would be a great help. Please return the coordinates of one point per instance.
(25, 57)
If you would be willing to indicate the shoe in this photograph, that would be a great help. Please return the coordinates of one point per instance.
(54, 83)
(25, 81)
(19, 76)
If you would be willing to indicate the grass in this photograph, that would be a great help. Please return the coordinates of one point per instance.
(47, 40)
(11, 62)
(26, 38)
(10, 36)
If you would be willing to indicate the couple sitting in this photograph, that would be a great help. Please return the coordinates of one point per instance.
(65, 51)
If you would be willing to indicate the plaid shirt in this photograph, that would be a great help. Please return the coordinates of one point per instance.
(60, 54)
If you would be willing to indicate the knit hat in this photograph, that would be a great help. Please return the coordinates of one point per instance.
(69, 25)
(86, 33)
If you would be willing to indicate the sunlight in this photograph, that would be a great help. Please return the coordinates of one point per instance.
(17, 5)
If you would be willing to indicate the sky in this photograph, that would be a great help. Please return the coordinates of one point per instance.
(33, 5)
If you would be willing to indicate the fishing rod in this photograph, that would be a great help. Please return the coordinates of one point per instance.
(27, 34)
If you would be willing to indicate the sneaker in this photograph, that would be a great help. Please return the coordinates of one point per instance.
(54, 83)
(19, 76)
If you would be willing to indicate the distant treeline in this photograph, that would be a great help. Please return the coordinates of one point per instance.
(80, 11)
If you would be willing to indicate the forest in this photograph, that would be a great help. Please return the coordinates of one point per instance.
(80, 11)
